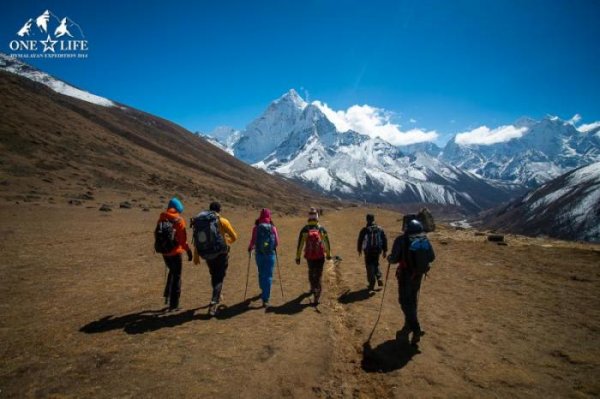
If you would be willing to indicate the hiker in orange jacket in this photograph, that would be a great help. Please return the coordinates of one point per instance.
(173, 259)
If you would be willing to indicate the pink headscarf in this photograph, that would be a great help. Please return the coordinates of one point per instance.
(265, 216)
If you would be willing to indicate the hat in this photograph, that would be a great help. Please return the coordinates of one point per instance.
(265, 214)
(414, 227)
(176, 204)
(313, 214)
(215, 206)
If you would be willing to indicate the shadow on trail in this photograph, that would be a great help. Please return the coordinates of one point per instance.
(152, 320)
(292, 307)
(355, 296)
(388, 356)
(227, 312)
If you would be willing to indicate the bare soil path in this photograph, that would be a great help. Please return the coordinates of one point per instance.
(82, 316)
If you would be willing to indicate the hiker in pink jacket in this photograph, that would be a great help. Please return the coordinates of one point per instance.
(264, 242)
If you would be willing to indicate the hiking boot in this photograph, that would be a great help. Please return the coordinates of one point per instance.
(371, 287)
(316, 299)
(266, 304)
(212, 309)
(174, 309)
(416, 337)
(380, 282)
(166, 300)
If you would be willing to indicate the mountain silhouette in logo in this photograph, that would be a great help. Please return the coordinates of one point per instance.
(45, 23)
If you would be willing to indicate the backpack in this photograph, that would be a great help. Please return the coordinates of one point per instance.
(265, 239)
(426, 219)
(164, 236)
(208, 240)
(372, 242)
(314, 248)
(419, 254)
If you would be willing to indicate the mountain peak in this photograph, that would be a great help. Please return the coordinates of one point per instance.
(293, 97)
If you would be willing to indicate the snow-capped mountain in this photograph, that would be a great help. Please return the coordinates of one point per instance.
(296, 139)
(545, 150)
(566, 207)
(17, 67)
(223, 137)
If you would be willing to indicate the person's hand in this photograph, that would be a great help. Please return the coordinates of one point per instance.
(359, 254)
(384, 255)
(389, 259)
(249, 251)
(328, 257)
(297, 261)
(189, 254)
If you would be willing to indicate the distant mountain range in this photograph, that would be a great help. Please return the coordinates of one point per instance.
(296, 139)
(546, 149)
(566, 207)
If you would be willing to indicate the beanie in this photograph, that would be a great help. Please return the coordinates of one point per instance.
(215, 207)
(175, 203)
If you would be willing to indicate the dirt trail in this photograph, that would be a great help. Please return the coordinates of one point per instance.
(82, 316)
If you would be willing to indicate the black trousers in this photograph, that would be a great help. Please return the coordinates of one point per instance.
(372, 266)
(315, 273)
(408, 294)
(173, 285)
(218, 269)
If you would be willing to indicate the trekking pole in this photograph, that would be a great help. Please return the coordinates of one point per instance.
(381, 305)
(247, 274)
(279, 274)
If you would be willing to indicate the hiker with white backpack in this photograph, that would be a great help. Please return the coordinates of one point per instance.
(373, 243)
(315, 241)
(213, 235)
(264, 242)
(170, 240)
(413, 253)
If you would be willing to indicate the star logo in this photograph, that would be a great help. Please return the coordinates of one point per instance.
(49, 44)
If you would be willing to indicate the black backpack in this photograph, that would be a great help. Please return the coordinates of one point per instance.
(207, 236)
(372, 242)
(164, 236)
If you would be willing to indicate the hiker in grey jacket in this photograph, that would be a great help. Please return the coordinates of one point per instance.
(413, 253)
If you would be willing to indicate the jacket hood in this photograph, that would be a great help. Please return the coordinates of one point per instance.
(171, 213)
(265, 216)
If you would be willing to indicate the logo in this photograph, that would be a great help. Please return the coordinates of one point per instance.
(48, 36)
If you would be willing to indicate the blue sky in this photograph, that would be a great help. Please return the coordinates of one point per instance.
(449, 65)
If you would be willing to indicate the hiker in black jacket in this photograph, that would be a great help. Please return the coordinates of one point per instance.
(413, 253)
(373, 242)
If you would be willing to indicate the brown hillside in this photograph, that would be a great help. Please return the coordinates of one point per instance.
(59, 148)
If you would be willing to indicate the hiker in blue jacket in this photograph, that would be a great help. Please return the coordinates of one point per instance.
(413, 253)
(264, 242)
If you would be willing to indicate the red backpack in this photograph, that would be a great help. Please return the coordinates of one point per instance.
(314, 248)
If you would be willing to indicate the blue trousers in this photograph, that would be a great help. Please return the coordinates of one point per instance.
(266, 264)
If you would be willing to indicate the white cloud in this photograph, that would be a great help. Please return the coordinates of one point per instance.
(374, 122)
(587, 127)
(412, 120)
(574, 120)
(483, 135)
